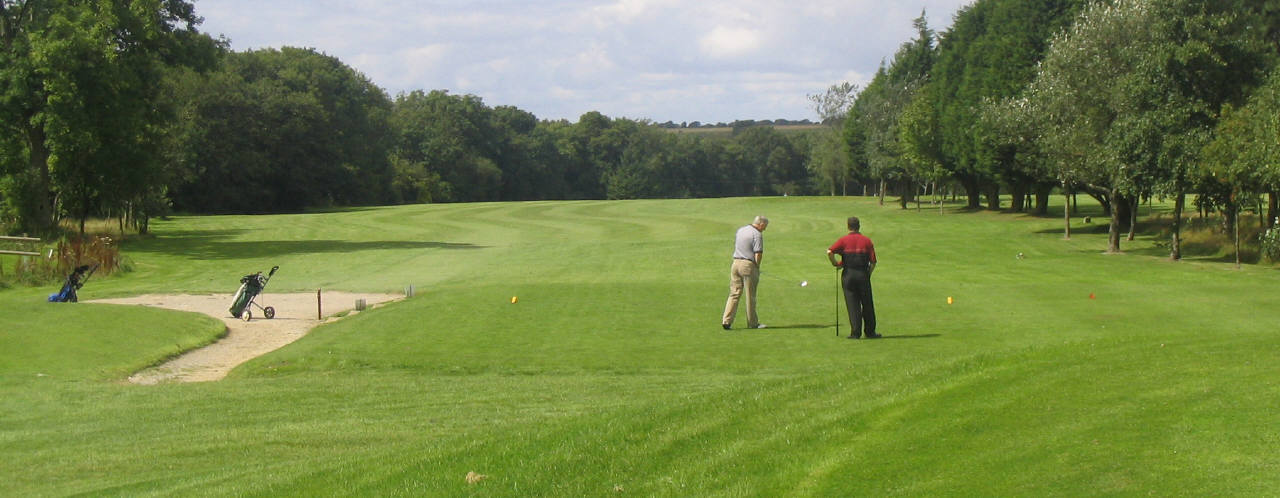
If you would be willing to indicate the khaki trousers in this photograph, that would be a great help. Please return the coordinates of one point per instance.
(743, 276)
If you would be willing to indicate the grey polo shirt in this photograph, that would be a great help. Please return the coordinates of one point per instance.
(747, 243)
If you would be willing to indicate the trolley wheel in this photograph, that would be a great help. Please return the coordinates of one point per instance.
(247, 315)
(269, 312)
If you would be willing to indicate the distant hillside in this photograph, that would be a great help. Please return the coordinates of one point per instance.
(741, 123)
(723, 130)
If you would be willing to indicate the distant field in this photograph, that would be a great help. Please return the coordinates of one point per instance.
(727, 131)
(1066, 372)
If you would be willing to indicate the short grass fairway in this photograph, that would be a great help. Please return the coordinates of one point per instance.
(611, 374)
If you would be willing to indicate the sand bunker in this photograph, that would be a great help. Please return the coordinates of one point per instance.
(295, 316)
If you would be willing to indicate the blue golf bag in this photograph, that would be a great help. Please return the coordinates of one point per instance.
(74, 282)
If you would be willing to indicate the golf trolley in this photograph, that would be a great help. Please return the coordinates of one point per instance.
(250, 287)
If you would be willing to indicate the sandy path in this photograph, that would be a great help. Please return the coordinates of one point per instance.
(295, 316)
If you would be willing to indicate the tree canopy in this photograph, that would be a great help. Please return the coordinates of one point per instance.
(80, 114)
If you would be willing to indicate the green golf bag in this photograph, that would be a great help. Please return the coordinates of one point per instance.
(250, 286)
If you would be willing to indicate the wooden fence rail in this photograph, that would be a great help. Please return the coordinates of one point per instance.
(20, 241)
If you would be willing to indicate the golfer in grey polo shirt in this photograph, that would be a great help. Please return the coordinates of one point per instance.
(748, 249)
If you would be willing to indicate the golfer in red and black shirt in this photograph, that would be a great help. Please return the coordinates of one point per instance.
(858, 258)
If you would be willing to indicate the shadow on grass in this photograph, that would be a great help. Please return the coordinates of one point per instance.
(202, 245)
(824, 326)
(1094, 228)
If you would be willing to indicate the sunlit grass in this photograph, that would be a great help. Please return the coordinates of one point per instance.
(1064, 372)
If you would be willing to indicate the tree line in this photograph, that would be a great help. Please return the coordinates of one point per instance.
(1123, 100)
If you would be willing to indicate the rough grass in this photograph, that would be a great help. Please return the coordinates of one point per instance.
(1067, 372)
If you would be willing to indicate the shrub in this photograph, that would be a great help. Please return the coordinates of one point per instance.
(70, 252)
(1270, 242)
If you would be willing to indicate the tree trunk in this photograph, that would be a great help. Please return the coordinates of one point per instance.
(973, 192)
(941, 197)
(1113, 232)
(38, 203)
(1019, 192)
(1042, 200)
(1133, 217)
(1175, 244)
(1235, 216)
(993, 198)
(1273, 205)
(882, 191)
(1066, 212)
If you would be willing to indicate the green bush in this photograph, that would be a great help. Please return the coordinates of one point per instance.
(1270, 242)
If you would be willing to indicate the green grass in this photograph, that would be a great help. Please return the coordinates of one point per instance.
(612, 376)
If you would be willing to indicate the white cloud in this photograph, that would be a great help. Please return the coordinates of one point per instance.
(627, 11)
(591, 64)
(730, 42)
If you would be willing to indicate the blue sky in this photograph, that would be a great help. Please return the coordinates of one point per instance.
(682, 61)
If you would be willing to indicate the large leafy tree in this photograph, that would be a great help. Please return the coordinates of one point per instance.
(872, 129)
(1129, 91)
(452, 137)
(919, 139)
(281, 130)
(907, 82)
(1083, 90)
(532, 167)
(872, 134)
(830, 159)
(773, 163)
(79, 109)
(1209, 56)
(990, 53)
(1244, 155)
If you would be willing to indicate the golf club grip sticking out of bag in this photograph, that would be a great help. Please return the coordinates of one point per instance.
(92, 269)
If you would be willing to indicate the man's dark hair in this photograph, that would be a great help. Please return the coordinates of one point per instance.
(854, 224)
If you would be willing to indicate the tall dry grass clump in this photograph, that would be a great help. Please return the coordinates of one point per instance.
(69, 253)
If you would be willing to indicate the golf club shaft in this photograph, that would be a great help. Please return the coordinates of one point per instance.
(839, 290)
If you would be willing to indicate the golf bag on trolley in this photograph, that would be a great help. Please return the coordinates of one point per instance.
(250, 286)
(73, 283)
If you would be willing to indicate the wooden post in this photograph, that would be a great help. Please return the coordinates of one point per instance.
(319, 315)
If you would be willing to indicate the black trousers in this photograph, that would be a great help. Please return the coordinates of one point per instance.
(857, 299)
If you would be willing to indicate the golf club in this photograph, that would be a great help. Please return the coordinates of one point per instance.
(90, 274)
(839, 290)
